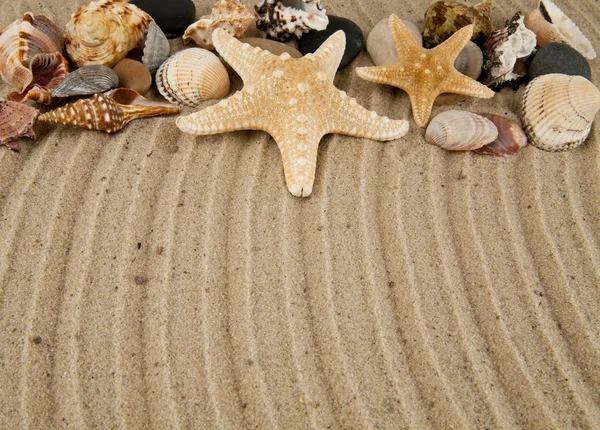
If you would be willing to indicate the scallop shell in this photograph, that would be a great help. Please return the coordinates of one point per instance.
(283, 18)
(550, 24)
(30, 58)
(558, 111)
(506, 54)
(156, 48)
(191, 76)
(511, 137)
(108, 112)
(460, 131)
(86, 81)
(445, 18)
(104, 31)
(16, 120)
(230, 15)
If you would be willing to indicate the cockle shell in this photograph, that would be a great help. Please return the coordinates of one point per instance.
(192, 76)
(550, 24)
(230, 15)
(30, 58)
(108, 112)
(506, 53)
(511, 137)
(16, 120)
(87, 80)
(460, 131)
(156, 48)
(283, 18)
(558, 111)
(444, 18)
(104, 31)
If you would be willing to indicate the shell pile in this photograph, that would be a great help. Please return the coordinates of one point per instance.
(281, 19)
(104, 31)
(16, 120)
(87, 80)
(191, 76)
(230, 15)
(460, 131)
(558, 111)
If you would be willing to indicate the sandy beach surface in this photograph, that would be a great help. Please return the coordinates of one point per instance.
(153, 279)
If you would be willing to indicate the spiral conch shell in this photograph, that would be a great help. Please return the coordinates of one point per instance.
(558, 111)
(460, 131)
(31, 59)
(108, 112)
(104, 31)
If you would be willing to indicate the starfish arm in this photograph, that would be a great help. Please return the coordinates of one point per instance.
(453, 46)
(350, 118)
(422, 104)
(379, 74)
(404, 41)
(458, 83)
(330, 53)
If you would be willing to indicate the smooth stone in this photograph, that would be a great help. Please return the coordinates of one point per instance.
(274, 47)
(172, 16)
(355, 40)
(380, 43)
(559, 58)
(133, 75)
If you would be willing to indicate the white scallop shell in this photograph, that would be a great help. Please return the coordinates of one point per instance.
(558, 111)
(460, 131)
(192, 76)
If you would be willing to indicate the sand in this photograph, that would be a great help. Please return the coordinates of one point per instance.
(153, 279)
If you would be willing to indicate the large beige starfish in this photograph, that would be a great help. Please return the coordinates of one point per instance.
(426, 73)
(294, 100)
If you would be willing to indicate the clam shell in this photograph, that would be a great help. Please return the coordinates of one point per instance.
(87, 80)
(191, 76)
(156, 48)
(558, 111)
(469, 61)
(16, 120)
(104, 31)
(511, 137)
(108, 112)
(550, 24)
(281, 19)
(230, 15)
(460, 131)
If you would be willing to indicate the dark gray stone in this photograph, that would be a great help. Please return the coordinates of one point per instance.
(559, 58)
(172, 16)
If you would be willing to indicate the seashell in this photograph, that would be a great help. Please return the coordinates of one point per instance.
(470, 61)
(460, 131)
(506, 53)
(16, 120)
(192, 76)
(445, 18)
(104, 31)
(230, 15)
(511, 137)
(558, 111)
(30, 58)
(381, 46)
(550, 24)
(156, 48)
(108, 112)
(86, 81)
(283, 18)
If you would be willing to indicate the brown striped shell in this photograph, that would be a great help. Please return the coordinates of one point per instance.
(16, 120)
(460, 131)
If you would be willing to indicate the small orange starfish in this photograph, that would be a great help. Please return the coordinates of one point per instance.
(426, 73)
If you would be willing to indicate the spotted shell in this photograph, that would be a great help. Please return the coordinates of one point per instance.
(16, 120)
(281, 19)
(30, 58)
(103, 32)
(87, 80)
(558, 111)
(444, 18)
(460, 131)
(191, 76)
(550, 24)
(230, 15)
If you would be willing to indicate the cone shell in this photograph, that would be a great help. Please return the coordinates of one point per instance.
(460, 131)
(16, 120)
(444, 18)
(281, 19)
(230, 15)
(104, 31)
(156, 48)
(511, 138)
(550, 24)
(192, 76)
(86, 81)
(558, 111)
(108, 112)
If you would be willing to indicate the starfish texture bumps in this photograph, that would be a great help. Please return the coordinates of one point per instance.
(294, 100)
(426, 73)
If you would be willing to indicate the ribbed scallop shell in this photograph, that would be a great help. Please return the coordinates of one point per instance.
(550, 24)
(16, 120)
(460, 131)
(192, 76)
(558, 111)
(104, 31)
(281, 19)
(87, 80)
(156, 48)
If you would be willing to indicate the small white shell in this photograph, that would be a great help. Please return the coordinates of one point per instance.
(460, 131)
(192, 76)
(558, 111)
